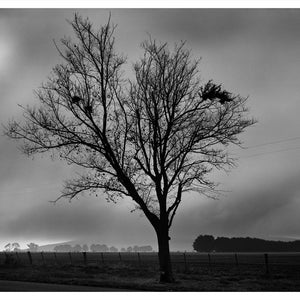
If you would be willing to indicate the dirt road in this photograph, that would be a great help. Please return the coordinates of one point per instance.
(23, 286)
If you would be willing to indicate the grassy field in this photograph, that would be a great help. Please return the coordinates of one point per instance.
(193, 271)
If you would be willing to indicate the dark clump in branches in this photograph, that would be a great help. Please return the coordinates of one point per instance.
(152, 138)
(76, 99)
(214, 91)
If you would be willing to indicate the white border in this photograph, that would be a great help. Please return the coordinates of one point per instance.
(150, 4)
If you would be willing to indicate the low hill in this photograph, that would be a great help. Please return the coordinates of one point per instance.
(50, 247)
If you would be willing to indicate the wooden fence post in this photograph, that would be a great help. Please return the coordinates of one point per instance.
(102, 257)
(185, 264)
(70, 255)
(30, 257)
(120, 256)
(209, 260)
(43, 258)
(139, 258)
(267, 263)
(236, 260)
(55, 257)
(84, 258)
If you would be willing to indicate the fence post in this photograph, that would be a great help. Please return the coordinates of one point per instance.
(209, 260)
(267, 263)
(43, 258)
(55, 257)
(30, 257)
(84, 257)
(102, 257)
(185, 264)
(139, 258)
(120, 256)
(70, 255)
(236, 260)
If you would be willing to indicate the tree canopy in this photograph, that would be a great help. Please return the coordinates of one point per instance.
(207, 243)
(150, 138)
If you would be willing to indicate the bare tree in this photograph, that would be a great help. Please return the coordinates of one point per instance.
(113, 249)
(8, 247)
(15, 246)
(85, 248)
(77, 248)
(32, 247)
(151, 138)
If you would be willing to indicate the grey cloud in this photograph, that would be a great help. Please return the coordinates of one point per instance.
(202, 25)
(252, 212)
(60, 221)
(88, 219)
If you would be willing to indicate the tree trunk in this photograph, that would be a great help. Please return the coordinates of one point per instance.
(166, 274)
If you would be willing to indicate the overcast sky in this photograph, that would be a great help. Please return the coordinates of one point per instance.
(255, 53)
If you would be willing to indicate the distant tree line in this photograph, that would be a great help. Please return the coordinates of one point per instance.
(100, 248)
(32, 247)
(69, 248)
(207, 243)
(139, 249)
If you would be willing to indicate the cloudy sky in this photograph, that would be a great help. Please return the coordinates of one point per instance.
(255, 53)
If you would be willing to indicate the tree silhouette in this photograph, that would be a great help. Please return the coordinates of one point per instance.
(63, 248)
(7, 247)
(113, 249)
(204, 243)
(98, 248)
(15, 246)
(77, 248)
(151, 138)
(85, 248)
(32, 247)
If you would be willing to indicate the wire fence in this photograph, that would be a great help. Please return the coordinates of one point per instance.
(183, 260)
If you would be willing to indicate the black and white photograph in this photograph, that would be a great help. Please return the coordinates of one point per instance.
(149, 149)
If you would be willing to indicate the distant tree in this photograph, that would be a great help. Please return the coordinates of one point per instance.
(93, 248)
(204, 243)
(67, 248)
(32, 247)
(113, 249)
(104, 248)
(224, 244)
(98, 248)
(145, 249)
(63, 248)
(7, 247)
(152, 138)
(123, 250)
(129, 249)
(85, 248)
(136, 248)
(15, 246)
(77, 248)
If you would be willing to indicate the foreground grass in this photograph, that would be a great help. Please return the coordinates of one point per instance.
(145, 278)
